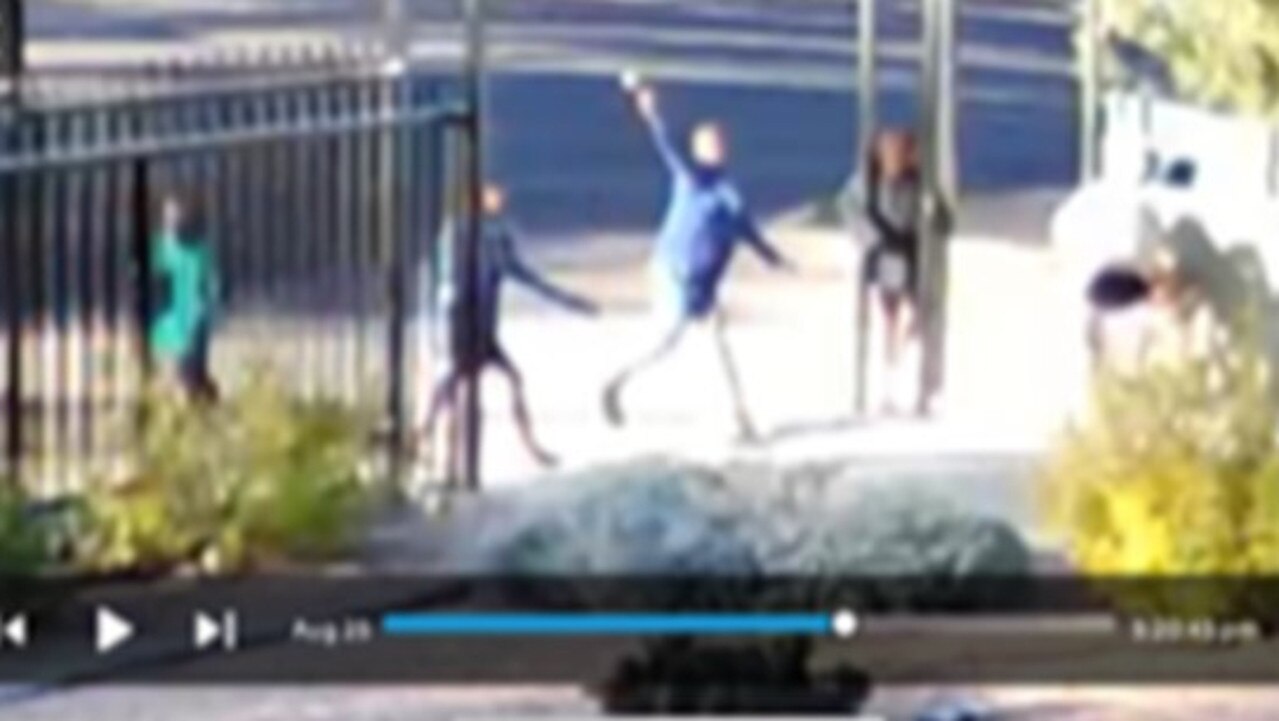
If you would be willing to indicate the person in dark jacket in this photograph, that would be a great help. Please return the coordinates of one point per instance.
(705, 221)
(891, 268)
(478, 347)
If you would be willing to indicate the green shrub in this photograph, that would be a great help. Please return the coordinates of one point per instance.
(1175, 473)
(301, 488)
(260, 479)
(24, 543)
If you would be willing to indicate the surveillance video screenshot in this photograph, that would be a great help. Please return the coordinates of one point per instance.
(448, 360)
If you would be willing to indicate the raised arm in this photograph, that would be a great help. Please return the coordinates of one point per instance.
(645, 99)
(514, 267)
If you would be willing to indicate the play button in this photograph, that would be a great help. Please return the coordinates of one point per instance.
(111, 630)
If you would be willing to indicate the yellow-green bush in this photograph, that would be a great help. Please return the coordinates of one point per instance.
(260, 479)
(1174, 472)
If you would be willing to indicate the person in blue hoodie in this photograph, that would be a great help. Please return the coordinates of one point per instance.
(705, 221)
(475, 344)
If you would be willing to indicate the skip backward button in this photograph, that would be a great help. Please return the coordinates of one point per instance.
(14, 631)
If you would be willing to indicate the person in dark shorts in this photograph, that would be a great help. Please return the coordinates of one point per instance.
(478, 347)
(705, 221)
(184, 267)
(890, 268)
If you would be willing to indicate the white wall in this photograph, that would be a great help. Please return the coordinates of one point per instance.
(1231, 153)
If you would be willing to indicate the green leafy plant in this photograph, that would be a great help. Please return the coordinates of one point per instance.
(260, 479)
(1222, 54)
(301, 487)
(1175, 473)
(24, 543)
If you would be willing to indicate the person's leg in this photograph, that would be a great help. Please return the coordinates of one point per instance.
(612, 399)
(197, 378)
(908, 339)
(519, 409)
(890, 307)
(745, 426)
(442, 402)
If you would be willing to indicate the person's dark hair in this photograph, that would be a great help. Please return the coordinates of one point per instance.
(193, 226)
(1117, 287)
(882, 141)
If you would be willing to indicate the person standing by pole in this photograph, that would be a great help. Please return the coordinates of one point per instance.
(892, 204)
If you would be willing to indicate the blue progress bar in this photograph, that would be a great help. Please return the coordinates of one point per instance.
(606, 624)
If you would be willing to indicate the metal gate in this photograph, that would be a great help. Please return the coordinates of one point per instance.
(321, 176)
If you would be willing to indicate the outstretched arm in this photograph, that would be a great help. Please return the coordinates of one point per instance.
(514, 267)
(748, 230)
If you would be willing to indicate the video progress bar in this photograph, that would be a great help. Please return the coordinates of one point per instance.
(840, 623)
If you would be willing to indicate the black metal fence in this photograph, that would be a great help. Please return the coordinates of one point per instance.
(321, 177)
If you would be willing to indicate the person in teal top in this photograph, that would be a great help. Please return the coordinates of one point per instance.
(183, 264)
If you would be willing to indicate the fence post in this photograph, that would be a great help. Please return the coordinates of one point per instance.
(1090, 89)
(868, 119)
(140, 246)
(12, 40)
(941, 179)
(12, 301)
(393, 72)
(472, 401)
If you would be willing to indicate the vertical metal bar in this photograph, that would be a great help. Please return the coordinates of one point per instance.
(257, 207)
(245, 277)
(447, 299)
(12, 40)
(77, 261)
(362, 234)
(365, 235)
(329, 260)
(393, 145)
(940, 171)
(51, 246)
(101, 219)
(282, 211)
(210, 171)
(472, 401)
(141, 261)
(304, 234)
(12, 240)
(947, 132)
(279, 236)
(868, 120)
(436, 178)
(1089, 90)
(26, 289)
(346, 268)
(867, 81)
(123, 369)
